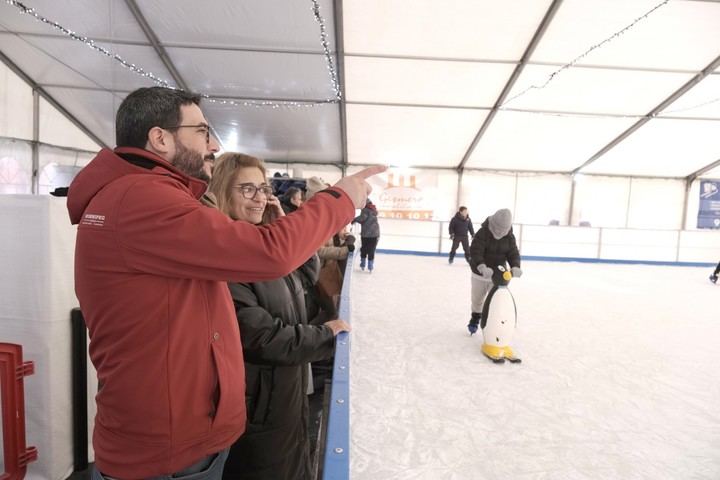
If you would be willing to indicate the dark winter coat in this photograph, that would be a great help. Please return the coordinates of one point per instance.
(278, 344)
(287, 206)
(369, 222)
(486, 249)
(459, 226)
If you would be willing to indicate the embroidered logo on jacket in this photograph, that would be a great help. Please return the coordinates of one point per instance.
(93, 219)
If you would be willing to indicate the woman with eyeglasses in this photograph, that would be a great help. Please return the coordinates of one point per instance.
(278, 344)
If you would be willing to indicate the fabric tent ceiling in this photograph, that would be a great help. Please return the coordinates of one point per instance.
(475, 84)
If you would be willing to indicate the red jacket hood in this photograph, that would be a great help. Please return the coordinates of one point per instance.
(108, 166)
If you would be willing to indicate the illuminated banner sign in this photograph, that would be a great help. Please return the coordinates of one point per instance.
(400, 193)
(709, 209)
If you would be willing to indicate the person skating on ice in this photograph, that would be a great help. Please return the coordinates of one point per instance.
(369, 234)
(459, 227)
(492, 246)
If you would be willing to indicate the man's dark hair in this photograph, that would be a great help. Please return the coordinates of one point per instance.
(462, 209)
(146, 108)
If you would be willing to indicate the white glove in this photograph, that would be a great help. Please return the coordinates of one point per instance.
(485, 271)
(516, 272)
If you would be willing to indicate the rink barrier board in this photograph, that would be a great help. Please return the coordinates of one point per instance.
(565, 259)
(336, 464)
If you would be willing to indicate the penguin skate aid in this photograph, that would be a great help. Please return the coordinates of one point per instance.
(493, 307)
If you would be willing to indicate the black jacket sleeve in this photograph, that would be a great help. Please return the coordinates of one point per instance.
(470, 227)
(268, 340)
(513, 255)
(477, 251)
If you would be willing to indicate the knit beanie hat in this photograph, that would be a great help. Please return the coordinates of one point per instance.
(314, 185)
(500, 223)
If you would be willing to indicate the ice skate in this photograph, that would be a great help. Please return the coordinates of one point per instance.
(713, 278)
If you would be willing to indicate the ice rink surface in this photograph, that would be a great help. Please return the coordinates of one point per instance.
(620, 376)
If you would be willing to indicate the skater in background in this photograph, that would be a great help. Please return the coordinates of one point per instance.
(459, 227)
(493, 245)
(369, 234)
(714, 276)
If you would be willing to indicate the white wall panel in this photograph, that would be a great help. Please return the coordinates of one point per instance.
(656, 203)
(542, 198)
(656, 245)
(557, 241)
(59, 166)
(15, 167)
(602, 201)
(16, 106)
(55, 129)
(700, 246)
(485, 193)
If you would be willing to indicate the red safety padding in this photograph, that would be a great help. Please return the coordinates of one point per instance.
(12, 373)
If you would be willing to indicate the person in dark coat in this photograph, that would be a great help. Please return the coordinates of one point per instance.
(369, 234)
(291, 200)
(459, 227)
(493, 245)
(278, 343)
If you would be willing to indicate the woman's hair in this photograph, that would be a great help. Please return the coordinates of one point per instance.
(224, 174)
(291, 192)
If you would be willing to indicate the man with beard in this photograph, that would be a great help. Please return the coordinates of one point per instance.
(151, 266)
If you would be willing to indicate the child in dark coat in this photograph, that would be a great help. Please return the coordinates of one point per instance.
(493, 245)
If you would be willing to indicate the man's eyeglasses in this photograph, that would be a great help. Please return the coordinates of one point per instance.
(249, 190)
(200, 126)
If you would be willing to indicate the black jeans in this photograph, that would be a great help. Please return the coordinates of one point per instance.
(368, 246)
(466, 247)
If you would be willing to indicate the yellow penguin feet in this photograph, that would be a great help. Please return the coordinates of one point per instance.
(499, 354)
(493, 353)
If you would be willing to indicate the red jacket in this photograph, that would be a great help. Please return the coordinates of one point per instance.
(151, 264)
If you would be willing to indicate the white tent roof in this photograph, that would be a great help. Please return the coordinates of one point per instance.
(621, 87)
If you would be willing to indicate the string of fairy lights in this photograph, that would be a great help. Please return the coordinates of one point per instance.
(587, 52)
(332, 73)
(330, 65)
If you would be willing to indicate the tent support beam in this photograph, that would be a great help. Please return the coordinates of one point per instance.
(162, 53)
(653, 113)
(542, 28)
(340, 56)
(691, 178)
(35, 187)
